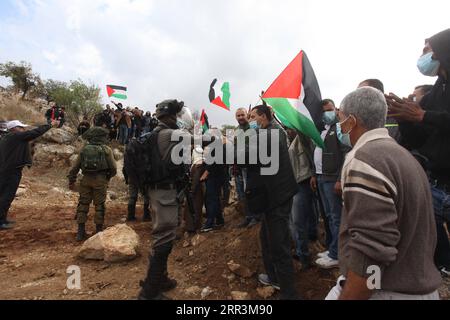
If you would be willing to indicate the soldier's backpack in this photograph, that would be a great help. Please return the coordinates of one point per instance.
(137, 161)
(156, 169)
(93, 158)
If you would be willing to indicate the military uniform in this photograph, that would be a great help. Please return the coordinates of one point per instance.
(165, 207)
(133, 194)
(134, 171)
(94, 184)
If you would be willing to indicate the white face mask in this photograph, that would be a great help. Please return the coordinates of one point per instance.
(344, 138)
(427, 66)
(254, 125)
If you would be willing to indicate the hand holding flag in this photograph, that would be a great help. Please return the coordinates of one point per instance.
(295, 98)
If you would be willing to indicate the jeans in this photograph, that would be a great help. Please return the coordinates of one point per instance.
(123, 134)
(130, 134)
(133, 195)
(276, 249)
(301, 216)
(332, 204)
(240, 187)
(9, 183)
(320, 212)
(241, 184)
(441, 203)
(313, 229)
(226, 190)
(214, 185)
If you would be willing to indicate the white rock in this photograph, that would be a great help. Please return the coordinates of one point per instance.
(115, 244)
(119, 172)
(206, 292)
(58, 135)
(21, 192)
(265, 292)
(193, 291)
(117, 154)
(239, 295)
(50, 153)
(197, 240)
(56, 193)
(239, 270)
(186, 244)
(73, 159)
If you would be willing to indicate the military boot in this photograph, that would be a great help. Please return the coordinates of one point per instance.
(131, 213)
(81, 234)
(147, 217)
(151, 286)
(167, 283)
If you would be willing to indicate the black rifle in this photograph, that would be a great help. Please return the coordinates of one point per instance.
(185, 193)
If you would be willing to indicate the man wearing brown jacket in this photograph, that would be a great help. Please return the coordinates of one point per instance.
(388, 233)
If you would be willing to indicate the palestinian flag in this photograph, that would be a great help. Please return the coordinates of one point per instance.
(295, 98)
(221, 101)
(117, 92)
(204, 122)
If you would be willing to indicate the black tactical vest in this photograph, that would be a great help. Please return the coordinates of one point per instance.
(160, 170)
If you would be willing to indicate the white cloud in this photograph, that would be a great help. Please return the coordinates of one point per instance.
(173, 49)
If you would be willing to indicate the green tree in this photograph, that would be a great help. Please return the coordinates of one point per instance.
(87, 101)
(80, 99)
(21, 75)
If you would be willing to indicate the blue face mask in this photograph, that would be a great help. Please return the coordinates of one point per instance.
(254, 125)
(344, 138)
(329, 117)
(427, 66)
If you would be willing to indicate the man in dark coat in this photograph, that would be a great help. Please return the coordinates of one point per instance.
(425, 127)
(15, 154)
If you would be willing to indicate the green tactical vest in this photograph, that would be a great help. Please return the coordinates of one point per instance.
(93, 159)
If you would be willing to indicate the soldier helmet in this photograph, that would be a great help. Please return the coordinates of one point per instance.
(168, 108)
(185, 120)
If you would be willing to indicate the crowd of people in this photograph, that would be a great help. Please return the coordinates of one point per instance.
(55, 113)
(123, 124)
(380, 184)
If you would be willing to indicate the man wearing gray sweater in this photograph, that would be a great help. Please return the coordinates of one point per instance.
(388, 235)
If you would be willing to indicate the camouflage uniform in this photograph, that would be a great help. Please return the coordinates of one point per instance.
(94, 185)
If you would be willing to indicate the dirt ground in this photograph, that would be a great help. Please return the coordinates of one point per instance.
(35, 255)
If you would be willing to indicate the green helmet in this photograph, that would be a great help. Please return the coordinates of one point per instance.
(96, 135)
(168, 108)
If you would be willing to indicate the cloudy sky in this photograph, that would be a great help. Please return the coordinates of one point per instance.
(173, 48)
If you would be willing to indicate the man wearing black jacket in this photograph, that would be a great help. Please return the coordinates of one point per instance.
(15, 154)
(425, 127)
(134, 169)
(272, 194)
(214, 176)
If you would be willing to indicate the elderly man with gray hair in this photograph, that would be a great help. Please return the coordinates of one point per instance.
(388, 234)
